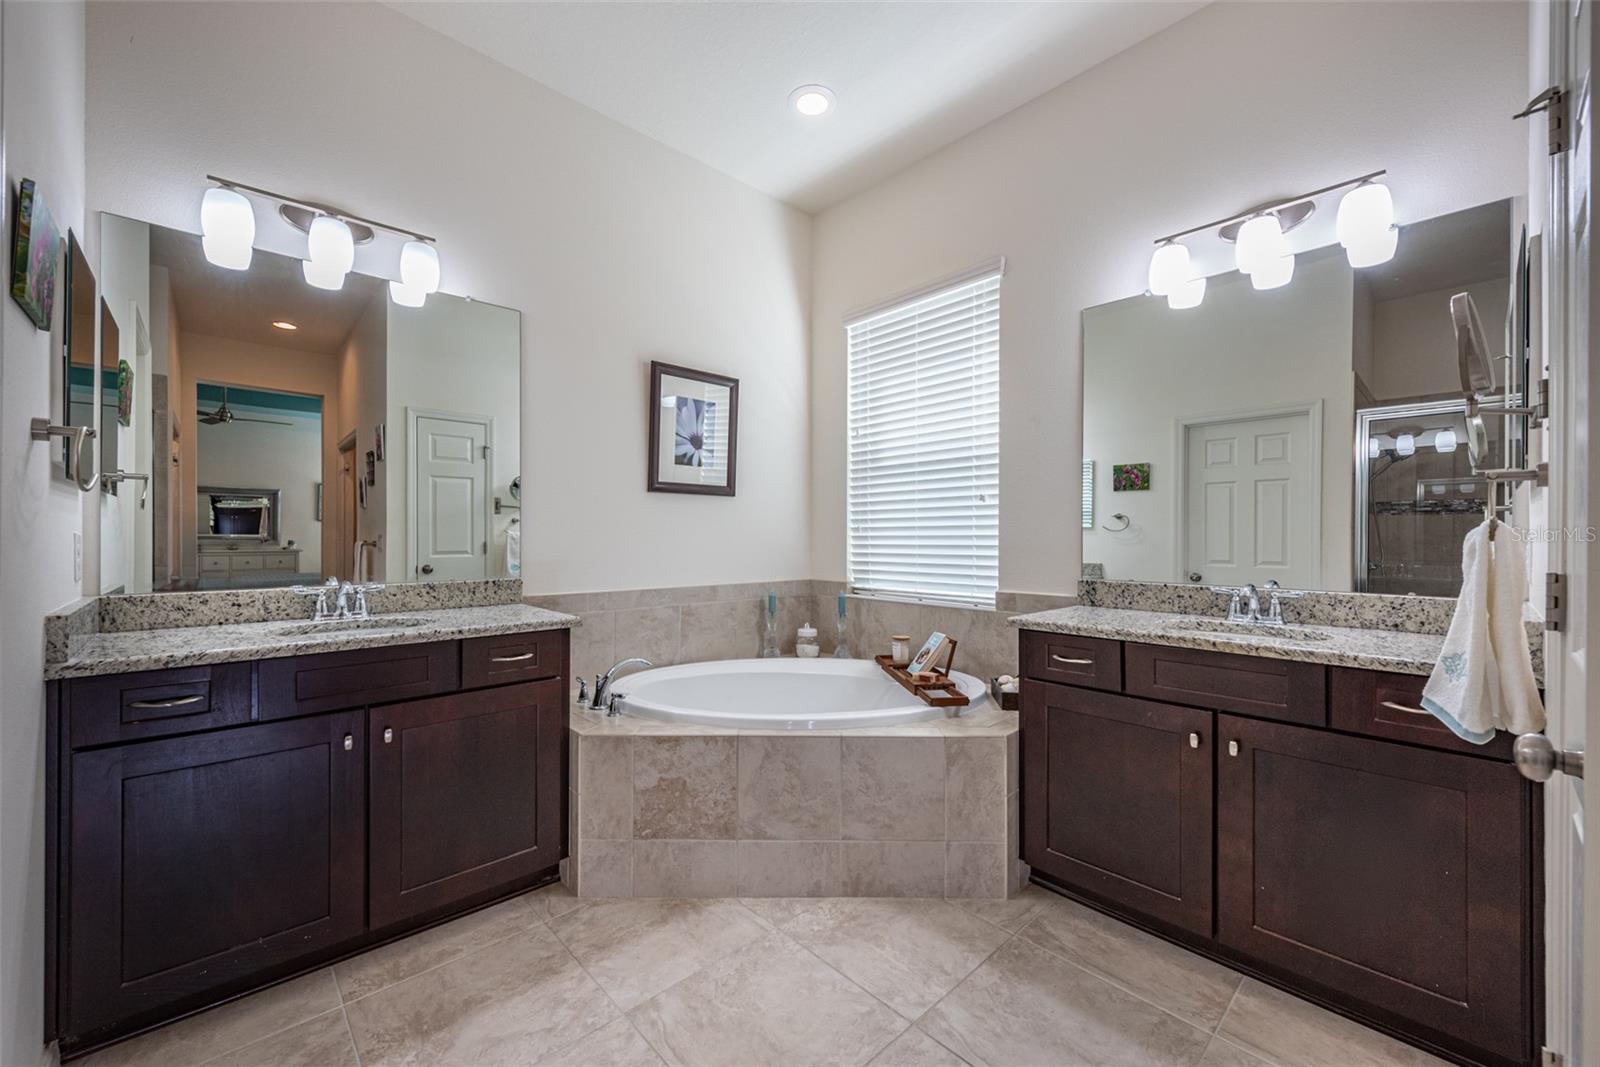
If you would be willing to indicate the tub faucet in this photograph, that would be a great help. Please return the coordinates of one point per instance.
(602, 684)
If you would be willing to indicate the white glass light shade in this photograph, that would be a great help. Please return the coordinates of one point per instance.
(1372, 251)
(407, 296)
(331, 245)
(419, 267)
(1259, 243)
(1405, 444)
(1444, 441)
(321, 276)
(1273, 273)
(1188, 295)
(1169, 268)
(1364, 214)
(227, 228)
(1373, 448)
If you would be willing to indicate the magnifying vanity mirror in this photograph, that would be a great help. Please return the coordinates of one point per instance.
(292, 434)
(1318, 434)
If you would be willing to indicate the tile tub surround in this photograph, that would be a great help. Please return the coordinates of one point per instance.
(149, 650)
(690, 624)
(546, 978)
(669, 810)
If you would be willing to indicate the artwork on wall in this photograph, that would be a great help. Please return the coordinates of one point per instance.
(372, 467)
(35, 242)
(379, 446)
(694, 431)
(361, 493)
(1129, 476)
(124, 393)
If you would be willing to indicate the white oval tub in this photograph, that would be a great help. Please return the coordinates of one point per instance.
(782, 694)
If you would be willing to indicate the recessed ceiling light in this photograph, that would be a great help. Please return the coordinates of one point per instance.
(285, 324)
(811, 100)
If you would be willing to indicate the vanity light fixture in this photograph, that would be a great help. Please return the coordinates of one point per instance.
(1188, 295)
(1260, 245)
(227, 223)
(811, 100)
(1374, 447)
(1169, 268)
(1366, 226)
(1444, 441)
(1405, 444)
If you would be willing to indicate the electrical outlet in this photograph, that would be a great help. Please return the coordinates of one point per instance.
(77, 556)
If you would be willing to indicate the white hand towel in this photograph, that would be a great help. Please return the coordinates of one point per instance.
(1521, 710)
(514, 551)
(1463, 690)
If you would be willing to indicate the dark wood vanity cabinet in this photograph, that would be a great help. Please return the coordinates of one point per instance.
(214, 829)
(1358, 855)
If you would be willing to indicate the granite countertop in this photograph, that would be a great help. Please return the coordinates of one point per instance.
(147, 650)
(1381, 650)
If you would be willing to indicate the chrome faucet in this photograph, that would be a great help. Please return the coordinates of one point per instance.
(1244, 604)
(602, 685)
(1278, 595)
(327, 598)
(336, 600)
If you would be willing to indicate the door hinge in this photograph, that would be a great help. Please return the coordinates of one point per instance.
(485, 451)
(1555, 601)
(1549, 1057)
(1553, 102)
(486, 548)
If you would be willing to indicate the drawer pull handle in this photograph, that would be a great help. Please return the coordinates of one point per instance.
(1233, 748)
(511, 659)
(349, 742)
(1070, 660)
(1194, 740)
(175, 702)
(1392, 706)
(388, 735)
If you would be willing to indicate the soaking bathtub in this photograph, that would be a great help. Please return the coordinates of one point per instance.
(783, 694)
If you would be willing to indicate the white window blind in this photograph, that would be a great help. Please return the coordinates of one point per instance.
(924, 444)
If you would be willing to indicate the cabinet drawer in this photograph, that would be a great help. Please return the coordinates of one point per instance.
(281, 562)
(1251, 685)
(1390, 706)
(1068, 660)
(513, 658)
(330, 681)
(131, 707)
(213, 564)
(245, 563)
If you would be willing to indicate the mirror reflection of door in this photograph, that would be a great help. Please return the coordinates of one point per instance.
(450, 495)
(345, 567)
(1252, 486)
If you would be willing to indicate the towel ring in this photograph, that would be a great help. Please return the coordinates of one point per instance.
(1126, 522)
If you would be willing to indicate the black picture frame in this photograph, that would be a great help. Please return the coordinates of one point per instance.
(653, 460)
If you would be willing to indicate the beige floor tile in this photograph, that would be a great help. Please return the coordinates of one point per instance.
(774, 912)
(916, 1049)
(891, 868)
(605, 787)
(1221, 1053)
(975, 870)
(616, 1044)
(975, 788)
(685, 787)
(605, 869)
(1287, 1030)
(553, 901)
(685, 868)
(1025, 1006)
(893, 790)
(771, 1002)
(1012, 914)
(1189, 986)
(637, 948)
(907, 953)
(399, 960)
(203, 1037)
(321, 1042)
(509, 1003)
(789, 788)
(788, 868)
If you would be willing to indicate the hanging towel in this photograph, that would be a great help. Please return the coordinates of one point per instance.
(1483, 680)
(514, 550)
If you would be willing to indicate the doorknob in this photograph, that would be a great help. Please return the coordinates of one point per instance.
(427, 568)
(1537, 758)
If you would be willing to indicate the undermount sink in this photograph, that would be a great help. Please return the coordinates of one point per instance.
(375, 622)
(1223, 627)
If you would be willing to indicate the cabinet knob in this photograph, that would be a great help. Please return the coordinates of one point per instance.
(1233, 748)
(1194, 740)
(349, 742)
(388, 734)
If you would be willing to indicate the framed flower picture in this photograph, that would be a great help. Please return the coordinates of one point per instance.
(1126, 477)
(694, 431)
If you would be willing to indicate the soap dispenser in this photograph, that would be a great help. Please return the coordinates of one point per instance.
(805, 642)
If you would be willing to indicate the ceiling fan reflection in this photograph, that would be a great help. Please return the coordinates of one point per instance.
(224, 415)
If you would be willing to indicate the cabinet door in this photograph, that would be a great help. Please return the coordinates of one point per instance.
(200, 861)
(1397, 876)
(1117, 799)
(466, 795)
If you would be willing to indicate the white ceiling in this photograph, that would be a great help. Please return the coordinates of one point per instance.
(713, 79)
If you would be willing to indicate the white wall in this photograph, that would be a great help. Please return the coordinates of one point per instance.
(124, 278)
(257, 455)
(460, 356)
(1146, 366)
(1073, 187)
(42, 116)
(1414, 343)
(616, 249)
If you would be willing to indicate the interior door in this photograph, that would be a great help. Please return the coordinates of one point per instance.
(1572, 871)
(450, 497)
(1252, 489)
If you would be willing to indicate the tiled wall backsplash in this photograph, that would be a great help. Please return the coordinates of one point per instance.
(690, 624)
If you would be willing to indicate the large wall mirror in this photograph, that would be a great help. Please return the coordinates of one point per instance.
(1314, 434)
(292, 434)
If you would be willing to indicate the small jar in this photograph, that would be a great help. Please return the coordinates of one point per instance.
(900, 649)
(805, 643)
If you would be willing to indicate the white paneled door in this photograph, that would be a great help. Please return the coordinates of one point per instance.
(450, 494)
(1251, 490)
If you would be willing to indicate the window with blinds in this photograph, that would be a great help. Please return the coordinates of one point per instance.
(924, 443)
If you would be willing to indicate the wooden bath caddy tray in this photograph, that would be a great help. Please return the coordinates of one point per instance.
(941, 694)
